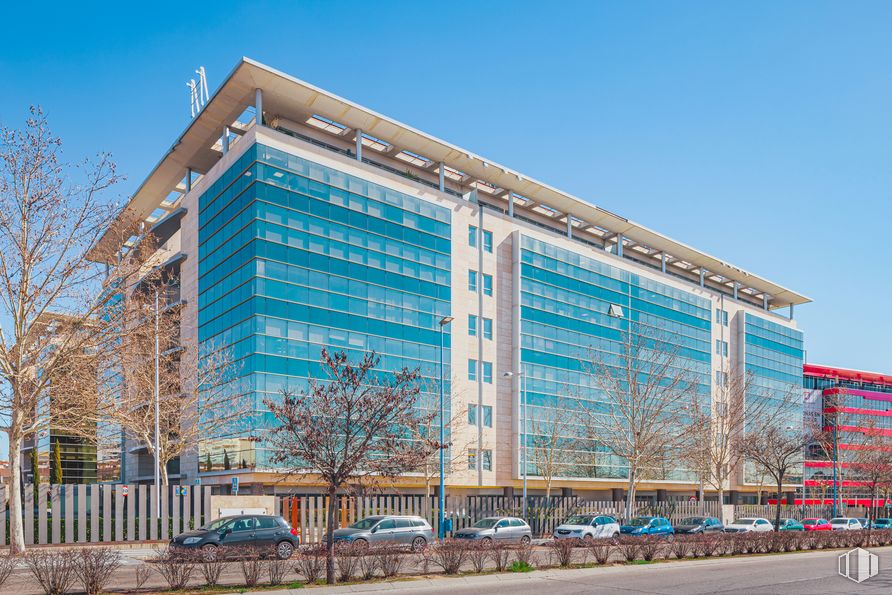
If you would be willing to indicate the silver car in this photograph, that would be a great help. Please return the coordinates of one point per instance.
(504, 529)
(412, 531)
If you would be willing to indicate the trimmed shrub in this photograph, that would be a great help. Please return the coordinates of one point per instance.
(175, 567)
(348, 555)
(310, 563)
(449, 555)
(600, 549)
(524, 557)
(276, 570)
(7, 565)
(561, 550)
(251, 563)
(683, 546)
(211, 567)
(142, 575)
(652, 547)
(629, 548)
(479, 555)
(54, 571)
(389, 559)
(499, 554)
(94, 568)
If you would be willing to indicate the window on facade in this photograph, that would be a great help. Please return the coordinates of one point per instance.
(472, 414)
(721, 317)
(487, 416)
(472, 458)
(721, 348)
(487, 372)
(472, 325)
(721, 378)
(487, 328)
(487, 241)
(472, 369)
(487, 284)
(472, 281)
(487, 460)
(472, 236)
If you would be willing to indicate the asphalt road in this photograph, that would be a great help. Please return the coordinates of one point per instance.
(809, 573)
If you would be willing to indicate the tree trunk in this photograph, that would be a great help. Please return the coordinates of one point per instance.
(721, 497)
(162, 474)
(777, 511)
(16, 528)
(547, 489)
(630, 497)
(329, 534)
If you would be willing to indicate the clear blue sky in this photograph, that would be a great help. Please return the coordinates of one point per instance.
(759, 132)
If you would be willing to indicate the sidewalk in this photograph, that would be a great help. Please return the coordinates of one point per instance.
(713, 573)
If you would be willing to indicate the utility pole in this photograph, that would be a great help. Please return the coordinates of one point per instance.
(157, 403)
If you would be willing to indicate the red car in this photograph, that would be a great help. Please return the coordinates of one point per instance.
(816, 524)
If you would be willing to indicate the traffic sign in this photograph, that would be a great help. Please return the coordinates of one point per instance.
(125, 490)
(693, 498)
(234, 486)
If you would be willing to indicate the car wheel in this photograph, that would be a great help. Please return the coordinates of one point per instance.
(615, 535)
(284, 550)
(486, 541)
(588, 537)
(209, 552)
(418, 544)
(361, 544)
(525, 540)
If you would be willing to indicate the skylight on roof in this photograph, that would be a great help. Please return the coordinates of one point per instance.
(486, 187)
(453, 174)
(375, 143)
(326, 124)
(413, 158)
(545, 210)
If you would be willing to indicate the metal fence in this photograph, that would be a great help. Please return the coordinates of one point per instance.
(309, 513)
(106, 513)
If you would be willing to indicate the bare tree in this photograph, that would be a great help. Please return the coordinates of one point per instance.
(650, 397)
(428, 431)
(354, 425)
(778, 450)
(870, 463)
(738, 406)
(199, 394)
(555, 441)
(48, 222)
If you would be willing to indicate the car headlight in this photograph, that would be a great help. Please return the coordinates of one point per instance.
(191, 540)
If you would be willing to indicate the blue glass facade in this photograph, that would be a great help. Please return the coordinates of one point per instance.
(295, 256)
(565, 302)
(774, 356)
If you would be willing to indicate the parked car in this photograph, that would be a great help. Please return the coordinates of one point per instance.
(503, 529)
(790, 525)
(816, 524)
(845, 524)
(587, 526)
(749, 524)
(699, 524)
(865, 522)
(882, 523)
(269, 531)
(647, 525)
(412, 531)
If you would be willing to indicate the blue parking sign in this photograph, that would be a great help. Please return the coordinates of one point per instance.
(235, 485)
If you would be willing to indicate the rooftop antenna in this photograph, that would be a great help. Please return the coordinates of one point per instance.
(198, 92)
(193, 97)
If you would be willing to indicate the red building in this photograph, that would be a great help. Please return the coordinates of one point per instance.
(853, 401)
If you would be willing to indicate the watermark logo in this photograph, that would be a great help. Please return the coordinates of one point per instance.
(858, 565)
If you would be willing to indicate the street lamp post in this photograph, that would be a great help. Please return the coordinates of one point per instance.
(157, 405)
(523, 423)
(442, 499)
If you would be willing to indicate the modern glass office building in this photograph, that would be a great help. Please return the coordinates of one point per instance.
(294, 220)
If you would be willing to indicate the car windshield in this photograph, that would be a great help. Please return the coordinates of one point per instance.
(744, 521)
(640, 522)
(693, 520)
(579, 519)
(839, 521)
(366, 523)
(810, 522)
(485, 523)
(214, 525)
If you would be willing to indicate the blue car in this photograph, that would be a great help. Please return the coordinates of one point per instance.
(648, 525)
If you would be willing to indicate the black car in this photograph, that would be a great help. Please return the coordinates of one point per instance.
(699, 524)
(263, 531)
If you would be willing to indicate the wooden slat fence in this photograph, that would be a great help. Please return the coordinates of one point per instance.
(101, 513)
